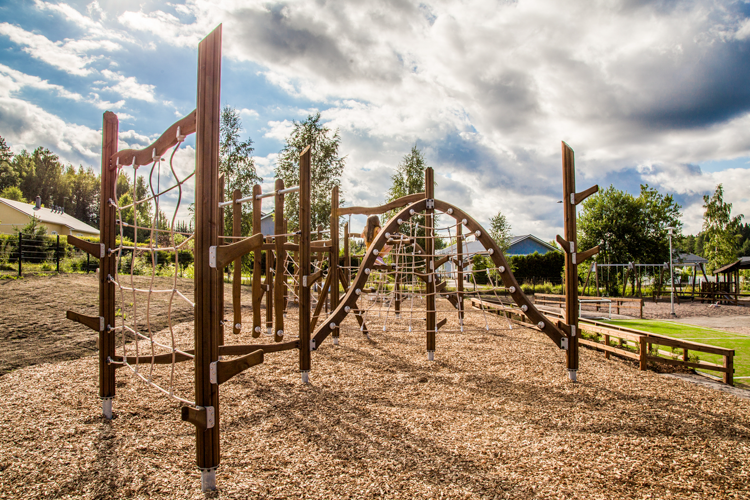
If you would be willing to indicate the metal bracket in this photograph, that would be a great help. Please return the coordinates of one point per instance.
(572, 330)
(572, 198)
(573, 256)
(430, 204)
(304, 281)
(101, 250)
(210, 417)
(212, 256)
(212, 376)
(312, 345)
(101, 323)
(564, 343)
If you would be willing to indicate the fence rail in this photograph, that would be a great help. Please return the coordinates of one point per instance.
(617, 302)
(24, 254)
(639, 341)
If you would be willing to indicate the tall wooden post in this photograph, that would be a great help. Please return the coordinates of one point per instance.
(257, 258)
(460, 273)
(571, 268)
(107, 216)
(207, 314)
(220, 333)
(278, 299)
(269, 286)
(347, 254)
(429, 247)
(237, 280)
(304, 264)
(333, 268)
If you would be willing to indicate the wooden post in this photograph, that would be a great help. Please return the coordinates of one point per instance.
(220, 333)
(20, 252)
(571, 269)
(57, 254)
(237, 281)
(596, 275)
(304, 264)
(107, 229)
(207, 314)
(333, 268)
(729, 373)
(269, 287)
(606, 342)
(347, 254)
(460, 272)
(257, 258)
(643, 352)
(429, 244)
(278, 298)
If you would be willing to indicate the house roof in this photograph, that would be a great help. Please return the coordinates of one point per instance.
(50, 217)
(474, 246)
(514, 240)
(689, 258)
(741, 263)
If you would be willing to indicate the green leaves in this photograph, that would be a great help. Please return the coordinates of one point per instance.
(500, 231)
(720, 230)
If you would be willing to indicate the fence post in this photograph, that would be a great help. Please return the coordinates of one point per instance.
(643, 351)
(57, 254)
(88, 258)
(20, 252)
(729, 365)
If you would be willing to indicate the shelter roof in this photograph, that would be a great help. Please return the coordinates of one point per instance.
(689, 258)
(741, 263)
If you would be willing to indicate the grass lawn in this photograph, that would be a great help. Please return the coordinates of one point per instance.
(710, 336)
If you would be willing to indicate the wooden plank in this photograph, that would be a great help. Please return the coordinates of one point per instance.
(159, 359)
(322, 296)
(401, 202)
(678, 362)
(96, 250)
(226, 369)
(609, 349)
(280, 278)
(207, 222)
(237, 281)
(222, 321)
(269, 287)
(304, 260)
(164, 143)
(429, 186)
(258, 288)
(107, 230)
(96, 323)
(582, 256)
(729, 369)
(693, 346)
(579, 197)
(242, 349)
(460, 272)
(225, 254)
(571, 267)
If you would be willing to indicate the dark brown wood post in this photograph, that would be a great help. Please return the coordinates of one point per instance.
(460, 272)
(333, 268)
(258, 256)
(571, 268)
(269, 286)
(237, 280)
(107, 229)
(280, 278)
(304, 264)
(429, 247)
(207, 222)
(222, 320)
(347, 254)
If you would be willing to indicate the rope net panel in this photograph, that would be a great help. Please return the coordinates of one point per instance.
(140, 342)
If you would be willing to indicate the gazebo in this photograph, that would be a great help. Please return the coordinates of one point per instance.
(727, 286)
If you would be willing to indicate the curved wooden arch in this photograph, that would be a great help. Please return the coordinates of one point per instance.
(349, 300)
(165, 141)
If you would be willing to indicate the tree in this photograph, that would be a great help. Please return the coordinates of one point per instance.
(237, 165)
(8, 175)
(12, 193)
(326, 168)
(720, 230)
(409, 176)
(500, 231)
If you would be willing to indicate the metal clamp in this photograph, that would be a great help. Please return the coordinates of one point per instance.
(212, 375)
(430, 203)
(564, 343)
(212, 256)
(312, 345)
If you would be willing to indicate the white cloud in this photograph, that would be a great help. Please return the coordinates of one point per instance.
(250, 113)
(128, 87)
(279, 130)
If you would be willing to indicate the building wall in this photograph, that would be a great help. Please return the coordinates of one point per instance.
(527, 247)
(9, 217)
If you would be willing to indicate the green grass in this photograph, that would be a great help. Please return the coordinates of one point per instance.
(710, 336)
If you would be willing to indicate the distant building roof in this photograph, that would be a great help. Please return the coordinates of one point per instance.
(474, 246)
(515, 240)
(741, 263)
(689, 258)
(51, 217)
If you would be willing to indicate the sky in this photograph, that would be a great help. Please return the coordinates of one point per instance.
(644, 92)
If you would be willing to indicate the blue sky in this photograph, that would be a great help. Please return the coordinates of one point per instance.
(645, 92)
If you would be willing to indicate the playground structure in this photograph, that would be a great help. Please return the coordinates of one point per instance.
(380, 295)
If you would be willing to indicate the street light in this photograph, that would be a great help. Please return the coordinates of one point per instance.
(671, 270)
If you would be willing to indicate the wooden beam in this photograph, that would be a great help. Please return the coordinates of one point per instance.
(164, 143)
(258, 288)
(237, 281)
(96, 250)
(96, 323)
(304, 261)
(280, 276)
(225, 254)
(579, 197)
(587, 254)
(226, 369)
(401, 202)
(242, 349)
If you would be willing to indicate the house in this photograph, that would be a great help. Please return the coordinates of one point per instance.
(525, 244)
(16, 214)
(267, 226)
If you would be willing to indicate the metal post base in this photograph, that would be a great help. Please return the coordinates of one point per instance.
(208, 479)
(305, 376)
(335, 341)
(430, 355)
(269, 331)
(572, 375)
(107, 408)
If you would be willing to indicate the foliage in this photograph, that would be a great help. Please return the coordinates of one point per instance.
(500, 231)
(628, 229)
(326, 168)
(13, 193)
(237, 165)
(720, 230)
(548, 267)
(34, 228)
(8, 176)
(479, 266)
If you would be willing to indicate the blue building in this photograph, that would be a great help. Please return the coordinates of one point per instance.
(525, 244)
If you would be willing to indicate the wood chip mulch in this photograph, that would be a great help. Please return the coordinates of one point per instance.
(493, 417)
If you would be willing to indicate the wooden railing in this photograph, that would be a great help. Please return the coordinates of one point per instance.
(617, 302)
(632, 344)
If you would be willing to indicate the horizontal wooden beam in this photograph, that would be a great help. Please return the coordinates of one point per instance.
(241, 349)
(96, 250)
(166, 141)
(582, 256)
(563, 243)
(401, 202)
(579, 197)
(226, 369)
(196, 416)
(228, 253)
(96, 323)
(159, 359)
(609, 348)
(441, 323)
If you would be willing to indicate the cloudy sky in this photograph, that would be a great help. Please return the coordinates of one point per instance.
(645, 92)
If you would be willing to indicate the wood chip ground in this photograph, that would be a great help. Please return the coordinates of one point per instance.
(493, 417)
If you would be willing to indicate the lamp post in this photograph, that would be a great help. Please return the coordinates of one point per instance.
(671, 271)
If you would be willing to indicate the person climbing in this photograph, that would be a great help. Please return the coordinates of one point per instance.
(371, 230)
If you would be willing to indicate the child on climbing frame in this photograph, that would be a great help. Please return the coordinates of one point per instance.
(371, 230)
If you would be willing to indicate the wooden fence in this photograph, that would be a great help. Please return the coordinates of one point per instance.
(633, 344)
(617, 302)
